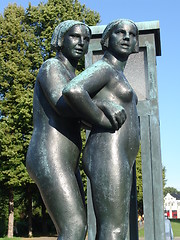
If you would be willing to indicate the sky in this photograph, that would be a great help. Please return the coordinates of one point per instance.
(168, 65)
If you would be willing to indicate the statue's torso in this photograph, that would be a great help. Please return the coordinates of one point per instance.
(125, 141)
(55, 139)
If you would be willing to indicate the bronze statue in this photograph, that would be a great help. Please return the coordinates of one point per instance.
(53, 154)
(102, 96)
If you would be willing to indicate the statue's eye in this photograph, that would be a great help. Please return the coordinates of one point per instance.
(74, 35)
(132, 34)
(120, 31)
(87, 39)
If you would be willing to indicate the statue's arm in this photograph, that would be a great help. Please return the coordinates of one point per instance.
(80, 91)
(52, 81)
(114, 112)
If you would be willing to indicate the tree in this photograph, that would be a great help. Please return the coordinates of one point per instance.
(24, 44)
(139, 182)
(44, 18)
(3, 211)
(170, 190)
(164, 176)
(16, 89)
(83, 175)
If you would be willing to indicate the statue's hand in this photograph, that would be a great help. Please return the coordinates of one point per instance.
(116, 115)
(114, 112)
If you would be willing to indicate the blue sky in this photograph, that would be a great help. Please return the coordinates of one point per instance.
(168, 65)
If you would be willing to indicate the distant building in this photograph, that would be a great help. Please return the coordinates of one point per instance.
(172, 205)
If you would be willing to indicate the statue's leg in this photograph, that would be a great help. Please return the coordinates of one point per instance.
(62, 198)
(64, 204)
(111, 187)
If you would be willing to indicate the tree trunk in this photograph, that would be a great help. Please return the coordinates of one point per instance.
(11, 214)
(29, 212)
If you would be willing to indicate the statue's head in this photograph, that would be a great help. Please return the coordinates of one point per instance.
(123, 27)
(61, 30)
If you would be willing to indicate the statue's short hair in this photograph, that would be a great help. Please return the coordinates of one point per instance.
(60, 31)
(109, 29)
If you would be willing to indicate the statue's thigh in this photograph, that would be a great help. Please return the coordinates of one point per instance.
(111, 189)
(62, 198)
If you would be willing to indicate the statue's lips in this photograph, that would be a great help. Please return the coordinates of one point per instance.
(78, 50)
(124, 45)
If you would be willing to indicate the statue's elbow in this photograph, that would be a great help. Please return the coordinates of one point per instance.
(71, 93)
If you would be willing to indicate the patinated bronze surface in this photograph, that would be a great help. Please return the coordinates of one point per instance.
(102, 96)
(53, 154)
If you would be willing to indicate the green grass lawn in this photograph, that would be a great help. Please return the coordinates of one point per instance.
(6, 238)
(141, 232)
(175, 223)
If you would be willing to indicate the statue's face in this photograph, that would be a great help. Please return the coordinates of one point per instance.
(76, 42)
(122, 40)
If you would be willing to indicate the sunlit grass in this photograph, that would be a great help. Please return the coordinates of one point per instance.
(175, 223)
(141, 232)
(14, 238)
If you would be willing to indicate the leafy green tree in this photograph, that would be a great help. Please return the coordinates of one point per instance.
(170, 190)
(44, 18)
(24, 44)
(164, 176)
(139, 182)
(83, 175)
(16, 89)
(3, 211)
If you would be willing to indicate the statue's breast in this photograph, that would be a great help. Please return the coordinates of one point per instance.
(121, 88)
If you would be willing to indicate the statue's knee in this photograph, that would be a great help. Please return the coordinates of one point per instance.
(81, 225)
(110, 231)
(78, 228)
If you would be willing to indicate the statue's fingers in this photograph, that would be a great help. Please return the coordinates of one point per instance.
(114, 122)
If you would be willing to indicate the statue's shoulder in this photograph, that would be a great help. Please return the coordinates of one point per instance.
(99, 65)
(47, 67)
(51, 65)
(102, 63)
(52, 62)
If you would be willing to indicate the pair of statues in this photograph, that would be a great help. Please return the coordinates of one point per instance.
(101, 97)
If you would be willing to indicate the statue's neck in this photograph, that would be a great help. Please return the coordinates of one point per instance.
(119, 64)
(71, 66)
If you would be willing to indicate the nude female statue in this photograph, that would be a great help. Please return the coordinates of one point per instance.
(109, 155)
(54, 149)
